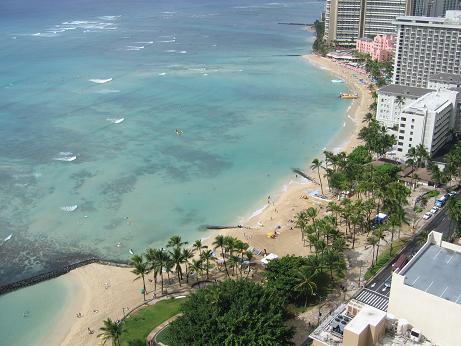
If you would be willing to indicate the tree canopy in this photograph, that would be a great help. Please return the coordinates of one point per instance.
(237, 312)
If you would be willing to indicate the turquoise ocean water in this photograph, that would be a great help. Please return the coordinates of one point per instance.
(92, 93)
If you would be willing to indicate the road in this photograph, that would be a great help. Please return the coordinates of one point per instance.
(375, 292)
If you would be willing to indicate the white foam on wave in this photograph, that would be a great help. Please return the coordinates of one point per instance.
(108, 91)
(162, 74)
(183, 52)
(135, 48)
(100, 81)
(168, 41)
(66, 156)
(109, 17)
(69, 208)
(9, 237)
(116, 120)
(145, 42)
(258, 211)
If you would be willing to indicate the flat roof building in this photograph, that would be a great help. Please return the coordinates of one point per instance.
(425, 47)
(427, 121)
(427, 291)
(392, 99)
(444, 81)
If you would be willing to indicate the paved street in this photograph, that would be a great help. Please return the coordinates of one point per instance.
(377, 291)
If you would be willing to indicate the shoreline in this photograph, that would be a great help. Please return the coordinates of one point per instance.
(105, 291)
(292, 187)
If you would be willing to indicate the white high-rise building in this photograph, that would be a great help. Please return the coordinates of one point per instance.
(392, 99)
(427, 121)
(348, 20)
(343, 21)
(427, 46)
(379, 16)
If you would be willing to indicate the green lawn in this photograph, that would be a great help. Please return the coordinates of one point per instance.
(139, 325)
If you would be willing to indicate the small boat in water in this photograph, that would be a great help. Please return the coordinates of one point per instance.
(131, 251)
(179, 132)
(337, 81)
(8, 238)
(348, 96)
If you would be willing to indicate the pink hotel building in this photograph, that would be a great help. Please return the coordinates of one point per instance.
(381, 48)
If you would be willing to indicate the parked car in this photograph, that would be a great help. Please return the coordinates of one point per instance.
(441, 201)
(434, 210)
(427, 216)
(452, 193)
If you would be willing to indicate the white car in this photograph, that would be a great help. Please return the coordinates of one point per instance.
(434, 210)
(427, 216)
(453, 193)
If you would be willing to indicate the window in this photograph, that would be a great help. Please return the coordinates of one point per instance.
(401, 137)
(412, 127)
(409, 145)
(402, 131)
(411, 133)
(399, 149)
(400, 143)
(412, 120)
(411, 139)
(403, 119)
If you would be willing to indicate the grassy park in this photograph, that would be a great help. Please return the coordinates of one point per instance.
(139, 325)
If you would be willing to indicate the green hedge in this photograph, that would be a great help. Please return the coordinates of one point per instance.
(384, 257)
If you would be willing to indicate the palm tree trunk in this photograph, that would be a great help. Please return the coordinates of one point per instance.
(373, 256)
(144, 286)
(320, 179)
(207, 267)
(224, 261)
(179, 277)
(161, 277)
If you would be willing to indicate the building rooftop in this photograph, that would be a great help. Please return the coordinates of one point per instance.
(433, 101)
(447, 78)
(403, 90)
(451, 19)
(367, 316)
(436, 271)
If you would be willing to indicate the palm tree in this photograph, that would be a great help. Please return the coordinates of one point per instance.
(312, 213)
(220, 242)
(169, 264)
(197, 267)
(151, 258)
(317, 164)
(249, 256)
(454, 212)
(334, 261)
(175, 241)
(304, 282)
(177, 259)
(207, 255)
(111, 331)
(368, 118)
(400, 101)
(422, 153)
(373, 241)
(198, 246)
(187, 254)
(141, 269)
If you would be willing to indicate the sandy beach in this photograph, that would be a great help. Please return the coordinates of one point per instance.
(107, 291)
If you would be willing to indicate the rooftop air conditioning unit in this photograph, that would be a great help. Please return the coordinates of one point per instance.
(415, 335)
